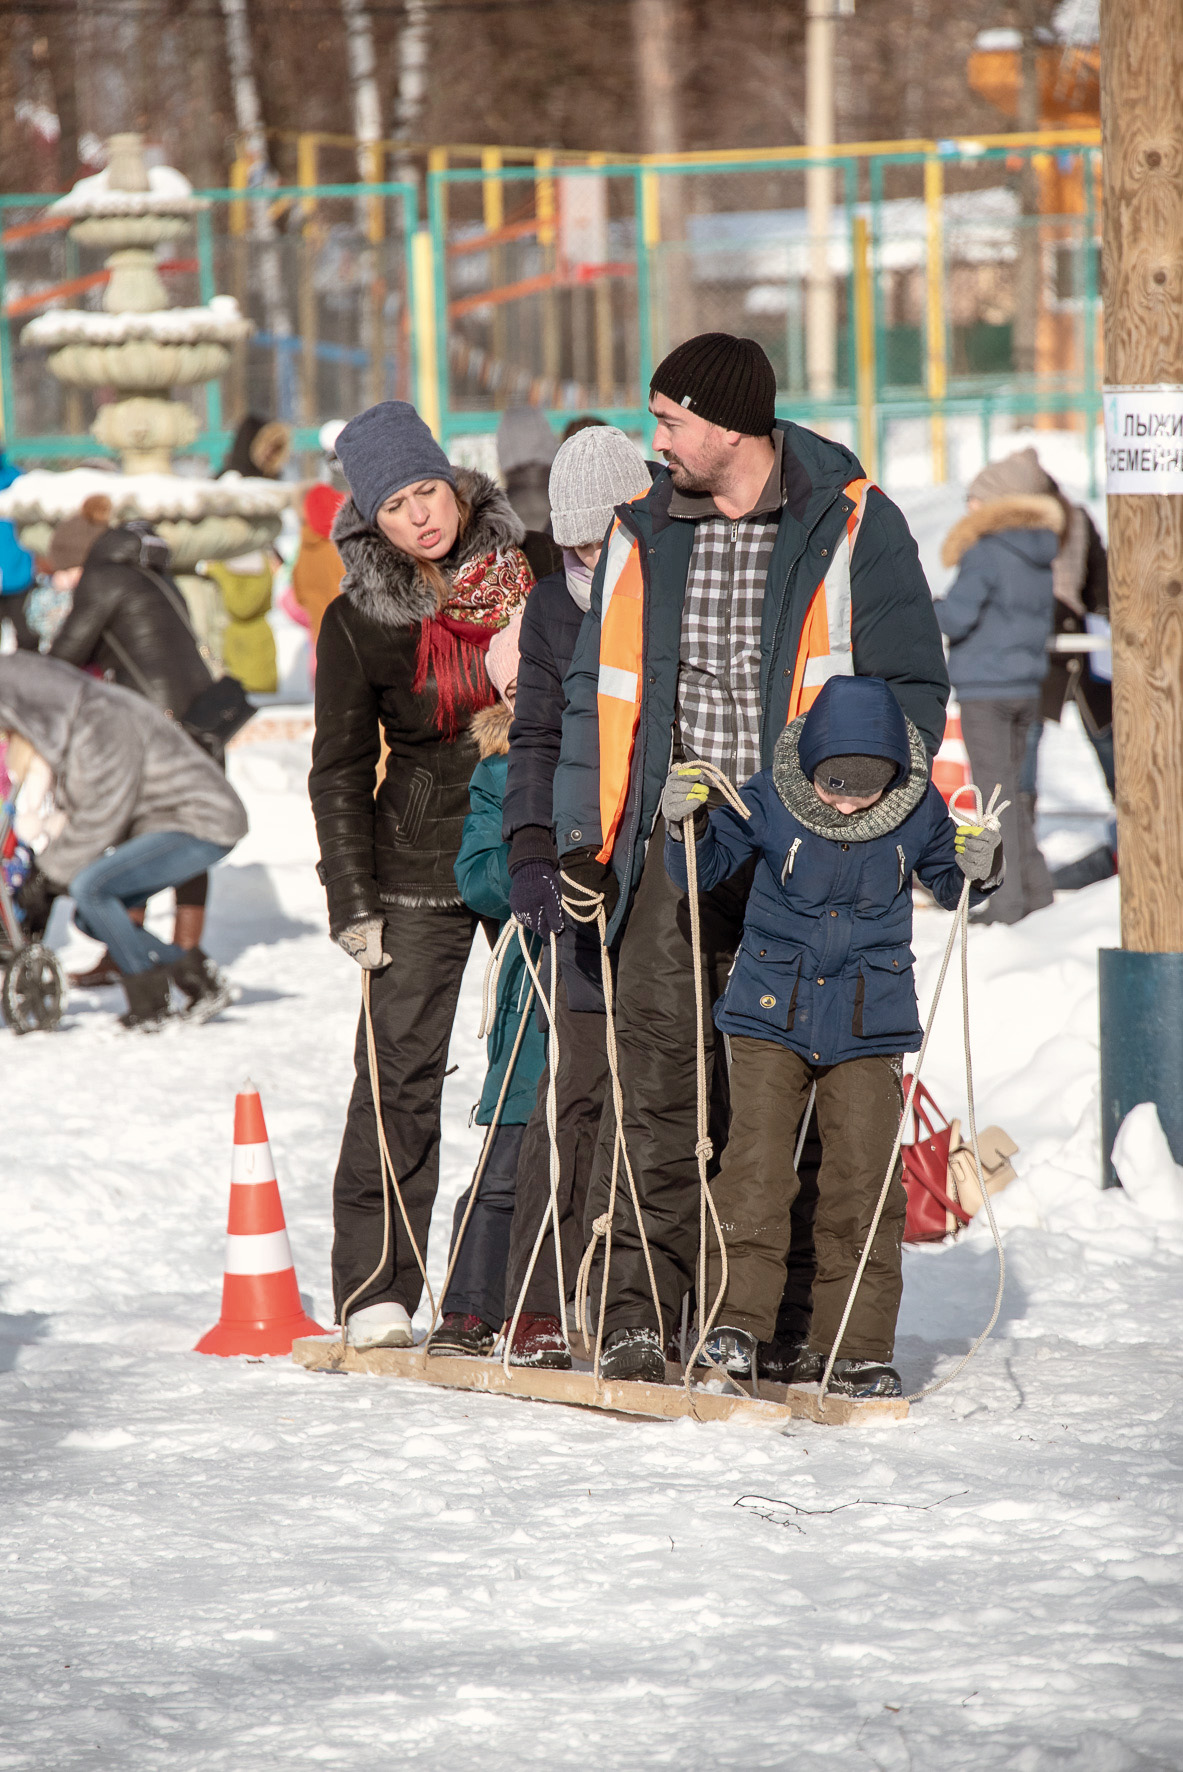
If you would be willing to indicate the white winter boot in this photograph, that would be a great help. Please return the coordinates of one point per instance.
(379, 1325)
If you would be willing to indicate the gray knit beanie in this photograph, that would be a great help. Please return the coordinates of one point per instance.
(385, 448)
(1018, 474)
(594, 471)
(523, 436)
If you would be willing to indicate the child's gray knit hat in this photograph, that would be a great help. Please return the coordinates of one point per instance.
(594, 471)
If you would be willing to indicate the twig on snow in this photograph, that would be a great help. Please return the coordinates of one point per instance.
(746, 1501)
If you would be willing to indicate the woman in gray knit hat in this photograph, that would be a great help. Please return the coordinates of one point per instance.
(433, 570)
(596, 470)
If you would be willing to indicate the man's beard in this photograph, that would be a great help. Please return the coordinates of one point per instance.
(685, 479)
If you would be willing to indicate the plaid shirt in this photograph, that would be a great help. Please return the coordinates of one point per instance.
(718, 706)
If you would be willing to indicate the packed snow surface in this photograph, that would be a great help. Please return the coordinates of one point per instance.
(241, 1565)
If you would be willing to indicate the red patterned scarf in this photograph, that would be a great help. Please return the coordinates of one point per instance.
(485, 594)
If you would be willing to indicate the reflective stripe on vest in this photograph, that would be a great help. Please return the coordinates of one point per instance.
(618, 690)
(824, 650)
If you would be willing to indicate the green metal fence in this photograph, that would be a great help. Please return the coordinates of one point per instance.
(946, 285)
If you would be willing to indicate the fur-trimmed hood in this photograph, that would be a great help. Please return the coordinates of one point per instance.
(385, 585)
(1022, 510)
(489, 730)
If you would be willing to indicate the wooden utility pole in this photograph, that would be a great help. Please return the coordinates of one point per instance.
(1142, 146)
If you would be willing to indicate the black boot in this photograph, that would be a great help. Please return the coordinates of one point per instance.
(207, 989)
(732, 1349)
(790, 1362)
(147, 999)
(463, 1334)
(863, 1378)
(633, 1354)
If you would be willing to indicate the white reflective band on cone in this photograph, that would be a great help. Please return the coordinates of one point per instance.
(267, 1253)
(252, 1163)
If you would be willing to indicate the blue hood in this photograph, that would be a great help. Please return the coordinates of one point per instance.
(855, 717)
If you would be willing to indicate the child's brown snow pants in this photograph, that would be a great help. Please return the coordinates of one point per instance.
(858, 1114)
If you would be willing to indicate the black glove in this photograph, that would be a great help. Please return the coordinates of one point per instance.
(535, 898)
(34, 897)
(583, 867)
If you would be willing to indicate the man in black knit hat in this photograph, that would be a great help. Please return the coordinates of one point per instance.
(760, 564)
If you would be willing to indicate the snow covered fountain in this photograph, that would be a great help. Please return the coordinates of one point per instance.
(142, 349)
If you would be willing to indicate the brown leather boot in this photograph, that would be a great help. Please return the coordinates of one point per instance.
(187, 929)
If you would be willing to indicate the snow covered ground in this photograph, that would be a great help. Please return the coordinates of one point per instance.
(240, 1565)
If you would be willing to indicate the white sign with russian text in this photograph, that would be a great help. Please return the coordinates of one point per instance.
(1144, 439)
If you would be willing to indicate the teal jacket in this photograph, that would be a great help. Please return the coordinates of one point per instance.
(482, 876)
(894, 634)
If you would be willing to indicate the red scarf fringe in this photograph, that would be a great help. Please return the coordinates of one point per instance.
(454, 653)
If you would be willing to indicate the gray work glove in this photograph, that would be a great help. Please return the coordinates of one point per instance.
(979, 853)
(362, 941)
(685, 793)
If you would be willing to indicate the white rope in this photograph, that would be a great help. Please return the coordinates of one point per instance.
(552, 1111)
(990, 819)
(589, 908)
(487, 1146)
(386, 1168)
(704, 1150)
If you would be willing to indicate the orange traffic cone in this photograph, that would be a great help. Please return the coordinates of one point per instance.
(950, 768)
(261, 1309)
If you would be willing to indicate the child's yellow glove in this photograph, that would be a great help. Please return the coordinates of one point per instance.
(684, 794)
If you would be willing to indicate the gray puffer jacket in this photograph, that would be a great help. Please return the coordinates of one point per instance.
(997, 613)
(121, 768)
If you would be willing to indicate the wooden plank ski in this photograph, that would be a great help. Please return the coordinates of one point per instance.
(778, 1403)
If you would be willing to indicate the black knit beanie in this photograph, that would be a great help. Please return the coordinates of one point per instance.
(728, 381)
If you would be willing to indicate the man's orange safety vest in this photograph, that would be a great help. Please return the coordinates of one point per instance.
(824, 651)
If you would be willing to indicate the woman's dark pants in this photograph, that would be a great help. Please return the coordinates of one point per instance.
(413, 1002)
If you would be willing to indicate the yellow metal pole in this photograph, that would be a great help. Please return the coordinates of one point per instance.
(544, 196)
(545, 209)
(937, 380)
(493, 210)
(307, 156)
(239, 178)
(864, 339)
(492, 190)
(426, 347)
(650, 208)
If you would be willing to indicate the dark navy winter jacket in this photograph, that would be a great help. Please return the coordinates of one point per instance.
(825, 965)
(894, 636)
(546, 645)
(998, 615)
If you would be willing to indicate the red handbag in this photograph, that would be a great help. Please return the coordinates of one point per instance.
(931, 1212)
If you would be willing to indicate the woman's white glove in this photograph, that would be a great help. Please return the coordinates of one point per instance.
(362, 941)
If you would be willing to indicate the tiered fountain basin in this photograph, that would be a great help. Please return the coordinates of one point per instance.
(199, 519)
(139, 349)
(140, 352)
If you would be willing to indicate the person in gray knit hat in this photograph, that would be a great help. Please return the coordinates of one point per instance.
(728, 551)
(596, 471)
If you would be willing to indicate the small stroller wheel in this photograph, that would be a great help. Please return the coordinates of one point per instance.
(33, 991)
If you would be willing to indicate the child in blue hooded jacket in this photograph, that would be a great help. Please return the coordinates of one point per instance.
(822, 992)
